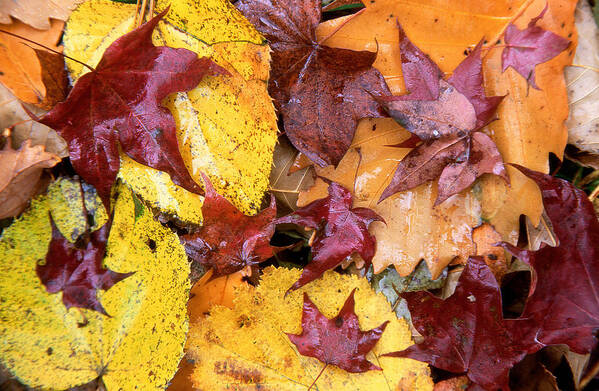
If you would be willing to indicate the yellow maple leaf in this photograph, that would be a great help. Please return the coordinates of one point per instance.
(226, 127)
(246, 347)
(137, 347)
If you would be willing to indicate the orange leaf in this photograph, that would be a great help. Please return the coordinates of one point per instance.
(20, 68)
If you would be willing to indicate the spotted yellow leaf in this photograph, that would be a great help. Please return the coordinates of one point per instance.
(138, 347)
(247, 348)
(226, 126)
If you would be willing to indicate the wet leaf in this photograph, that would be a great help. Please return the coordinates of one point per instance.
(138, 346)
(527, 48)
(226, 127)
(228, 240)
(340, 231)
(246, 346)
(321, 91)
(132, 79)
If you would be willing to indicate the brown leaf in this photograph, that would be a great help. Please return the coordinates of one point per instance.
(54, 77)
(20, 173)
(485, 238)
(37, 13)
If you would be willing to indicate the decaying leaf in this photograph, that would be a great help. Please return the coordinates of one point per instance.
(562, 298)
(529, 47)
(228, 240)
(36, 13)
(340, 231)
(117, 106)
(321, 91)
(338, 341)
(413, 226)
(466, 333)
(20, 175)
(138, 346)
(486, 238)
(20, 68)
(530, 121)
(13, 116)
(226, 127)
(583, 84)
(246, 347)
(285, 184)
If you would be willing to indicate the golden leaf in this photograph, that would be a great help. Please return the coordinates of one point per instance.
(226, 126)
(246, 347)
(137, 347)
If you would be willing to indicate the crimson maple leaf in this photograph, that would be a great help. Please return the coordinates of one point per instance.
(340, 231)
(77, 271)
(228, 240)
(338, 341)
(321, 91)
(118, 105)
(447, 116)
(466, 333)
(527, 48)
(563, 299)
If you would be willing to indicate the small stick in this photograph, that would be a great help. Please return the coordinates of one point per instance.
(591, 68)
(142, 13)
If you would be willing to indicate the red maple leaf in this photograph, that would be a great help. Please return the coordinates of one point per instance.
(321, 91)
(466, 333)
(77, 271)
(228, 240)
(340, 231)
(118, 105)
(448, 119)
(338, 341)
(563, 299)
(527, 48)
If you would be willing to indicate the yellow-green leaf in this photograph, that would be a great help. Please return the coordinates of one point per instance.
(226, 126)
(137, 347)
(246, 347)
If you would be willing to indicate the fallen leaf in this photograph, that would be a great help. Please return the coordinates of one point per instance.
(75, 208)
(286, 184)
(530, 374)
(486, 239)
(13, 116)
(228, 240)
(54, 77)
(138, 346)
(466, 333)
(583, 81)
(37, 13)
(338, 341)
(20, 175)
(571, 315)
(336, 4)
(132, 79)
(529, 47)
(530, 121)
(321, 91)
(226, 127)
(246, 346)
(77, 271)
(448, 119)
(20, 68)
(413, 226)
(340, 231)
(453, 384)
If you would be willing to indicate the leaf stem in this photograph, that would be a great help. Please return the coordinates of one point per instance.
(47, 48)
(141, 13)
(318, 377)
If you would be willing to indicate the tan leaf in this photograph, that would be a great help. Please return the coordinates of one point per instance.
(415, 229)
(583, 84)
(485, 238)
(23, 128)
(36, 13)
(20, 174)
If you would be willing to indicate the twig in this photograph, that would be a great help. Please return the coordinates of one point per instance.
(317, 377)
